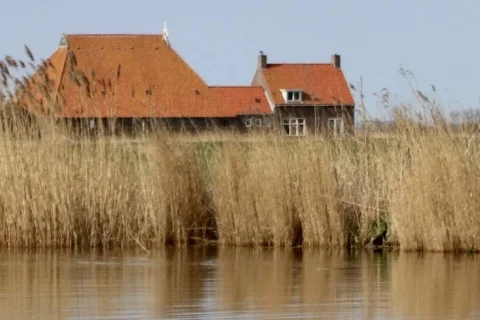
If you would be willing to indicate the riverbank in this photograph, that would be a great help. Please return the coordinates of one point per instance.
(420, 188)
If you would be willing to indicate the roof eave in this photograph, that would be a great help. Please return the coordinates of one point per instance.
(314, 105)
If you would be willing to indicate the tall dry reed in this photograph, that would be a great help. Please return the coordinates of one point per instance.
(418, 184)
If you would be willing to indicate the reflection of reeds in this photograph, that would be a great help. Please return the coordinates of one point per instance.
(321, 281)
(435, 285)
(60, 285)
(180, 279)
(268, 282)
(340, 283)
(255, 279)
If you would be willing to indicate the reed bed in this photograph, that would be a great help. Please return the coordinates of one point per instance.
(422, 188)
(417, 184)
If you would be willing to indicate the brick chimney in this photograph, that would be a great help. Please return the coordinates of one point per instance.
(262, 61)
(336, 61)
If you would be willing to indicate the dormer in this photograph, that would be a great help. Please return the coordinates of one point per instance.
(292, 95)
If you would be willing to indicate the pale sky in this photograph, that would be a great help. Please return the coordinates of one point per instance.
(436, 40)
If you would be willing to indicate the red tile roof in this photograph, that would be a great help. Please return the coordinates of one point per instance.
(322, 84)
(130, 76)
(242, 100)
(135, 76)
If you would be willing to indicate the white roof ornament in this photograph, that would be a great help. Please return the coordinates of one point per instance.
(165, 33)
(63, 41)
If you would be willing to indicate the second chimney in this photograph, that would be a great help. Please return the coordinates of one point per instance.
(262, 61)
(336, 61)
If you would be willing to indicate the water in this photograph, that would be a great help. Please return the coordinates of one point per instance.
(209, 283)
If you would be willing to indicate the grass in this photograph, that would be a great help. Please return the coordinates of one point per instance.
(418, 183)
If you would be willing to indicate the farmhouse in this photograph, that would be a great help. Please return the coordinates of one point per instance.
(139, 81)
(308, 98)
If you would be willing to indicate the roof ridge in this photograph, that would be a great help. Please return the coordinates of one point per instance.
(114, 34)
(241, 87)
(299, 63)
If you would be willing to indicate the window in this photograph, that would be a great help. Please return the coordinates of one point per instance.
(335, 126)
(254, 122)
(294, 95)
(225, 122)
(294, 126)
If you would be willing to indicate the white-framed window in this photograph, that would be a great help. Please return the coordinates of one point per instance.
(294, 96)
(294, 126)
(335, 126)
(253, 122)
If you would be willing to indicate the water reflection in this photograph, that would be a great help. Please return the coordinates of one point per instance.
(254, 283)
(436, 285)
